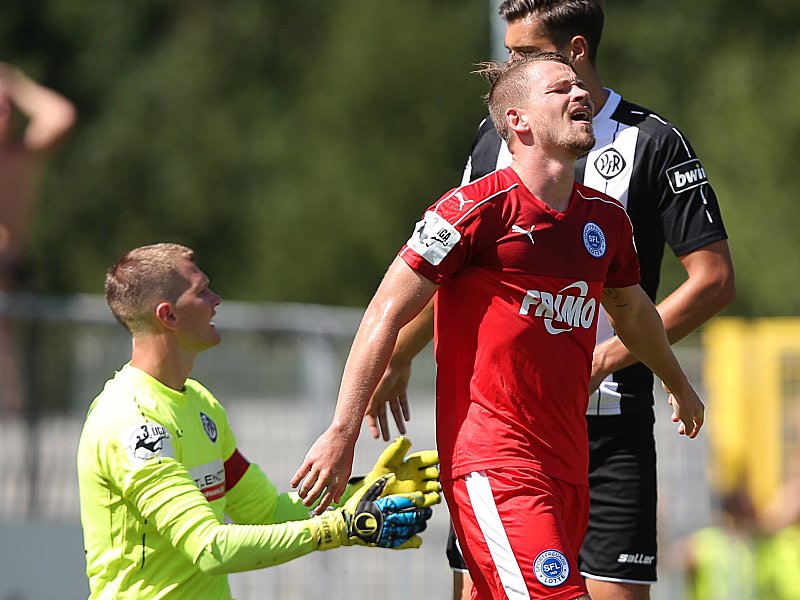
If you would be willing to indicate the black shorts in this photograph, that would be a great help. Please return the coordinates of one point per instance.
(620, 543)
(454, 556)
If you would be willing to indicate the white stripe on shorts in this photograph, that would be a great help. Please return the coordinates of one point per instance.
(482, 500)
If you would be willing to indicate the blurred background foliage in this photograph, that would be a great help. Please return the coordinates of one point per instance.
(294, 144)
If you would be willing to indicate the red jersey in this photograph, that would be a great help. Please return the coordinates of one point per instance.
(515, 320)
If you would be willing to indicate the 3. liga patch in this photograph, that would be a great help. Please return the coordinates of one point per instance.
(433, 238)
(551, 568)
(209, 426)
(148, 441)
(594, 239)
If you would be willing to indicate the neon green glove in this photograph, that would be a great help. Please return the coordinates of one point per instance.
(372, 518)
(417, 472)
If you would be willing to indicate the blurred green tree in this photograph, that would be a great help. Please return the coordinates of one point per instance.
(294, 144)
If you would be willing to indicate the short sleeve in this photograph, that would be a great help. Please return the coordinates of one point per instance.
(450, 234)
(687, 204)
(623, 270)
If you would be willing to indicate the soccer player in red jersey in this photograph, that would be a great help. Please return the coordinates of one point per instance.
(521, 259)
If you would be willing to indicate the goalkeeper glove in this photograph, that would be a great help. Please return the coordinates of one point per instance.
(417, 472)
(372, 518)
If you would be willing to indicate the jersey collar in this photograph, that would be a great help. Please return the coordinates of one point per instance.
(608, 108)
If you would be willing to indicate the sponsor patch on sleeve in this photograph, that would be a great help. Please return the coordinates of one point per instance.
(433, 238)
(147, 441)
(686, 176)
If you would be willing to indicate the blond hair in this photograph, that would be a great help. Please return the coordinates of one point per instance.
(510, 83)
(142, 278)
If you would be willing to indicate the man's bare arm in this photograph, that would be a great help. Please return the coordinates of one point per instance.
(50, 115)
(393, 386)
(403, 293)
(638, 325)
(709, 288)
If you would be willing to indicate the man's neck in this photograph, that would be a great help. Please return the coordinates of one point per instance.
(158, 358)
(594, 84)
(548, 178)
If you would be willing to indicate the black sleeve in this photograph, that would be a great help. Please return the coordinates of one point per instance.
(483, 156)
(687, 205)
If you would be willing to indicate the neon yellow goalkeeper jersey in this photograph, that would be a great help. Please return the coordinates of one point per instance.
(157, 470)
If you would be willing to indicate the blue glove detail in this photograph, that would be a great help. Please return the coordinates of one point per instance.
(402, 519)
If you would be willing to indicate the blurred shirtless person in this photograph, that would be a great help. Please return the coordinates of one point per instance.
(47, 117)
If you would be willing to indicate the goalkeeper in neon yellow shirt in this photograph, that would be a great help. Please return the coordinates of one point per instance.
(158, 465)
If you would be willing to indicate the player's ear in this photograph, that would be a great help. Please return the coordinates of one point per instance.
(577, 49)
(517, 120)
(166, 315)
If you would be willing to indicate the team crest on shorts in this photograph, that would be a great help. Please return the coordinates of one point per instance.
(594, 239)
(551, 568)
(209, 426)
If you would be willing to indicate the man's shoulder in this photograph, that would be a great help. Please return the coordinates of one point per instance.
(202, 393)
(653, 124)
(491, 187)
(117, 398)
(111, 415)
(589, 194)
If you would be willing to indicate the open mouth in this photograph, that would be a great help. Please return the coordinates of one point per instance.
(581, 114)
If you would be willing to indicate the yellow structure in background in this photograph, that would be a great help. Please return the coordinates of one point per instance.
(752, 374)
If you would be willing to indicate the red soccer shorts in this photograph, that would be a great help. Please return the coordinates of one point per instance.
(520, 532)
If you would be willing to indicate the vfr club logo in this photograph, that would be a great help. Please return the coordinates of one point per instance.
(562, 312)
(609, 164)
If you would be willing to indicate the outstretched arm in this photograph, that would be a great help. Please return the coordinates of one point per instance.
(708, 289)
(403, 293)
(393, 386)
(50, 115)
(638, 325)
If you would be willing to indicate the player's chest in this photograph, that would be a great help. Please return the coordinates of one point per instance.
(575, 246)
(610, 166)
(197, 445)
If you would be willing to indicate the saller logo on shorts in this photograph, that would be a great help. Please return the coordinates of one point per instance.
(567, 309)
(551, 568)
(686, 176)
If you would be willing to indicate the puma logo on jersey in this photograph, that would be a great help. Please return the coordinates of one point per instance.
(462, 202)
(523, 231)
(686, 176)
(562, 312)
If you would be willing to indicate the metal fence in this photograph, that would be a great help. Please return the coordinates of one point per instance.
(277, 372)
